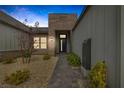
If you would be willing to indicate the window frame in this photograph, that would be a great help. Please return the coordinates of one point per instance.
(62, 35)
(43, 42)
(36, 43)
(40, 42)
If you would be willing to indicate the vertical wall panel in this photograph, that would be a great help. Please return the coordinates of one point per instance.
(122, 46)
(99, 24)
(9, 37)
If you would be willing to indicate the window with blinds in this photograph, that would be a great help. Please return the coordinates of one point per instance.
(36, 43)
(43, 43)
(40, 42)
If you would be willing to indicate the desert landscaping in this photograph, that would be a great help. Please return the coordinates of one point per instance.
(40, 71)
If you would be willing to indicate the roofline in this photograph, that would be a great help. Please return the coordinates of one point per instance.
(81, 16)
(39, 27)
(61, 13)
(15, 27)
(41, 33)
(18, 22)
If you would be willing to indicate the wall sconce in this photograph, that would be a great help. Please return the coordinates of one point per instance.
(51, 38)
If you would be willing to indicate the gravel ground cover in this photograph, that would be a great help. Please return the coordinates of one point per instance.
(41, 71)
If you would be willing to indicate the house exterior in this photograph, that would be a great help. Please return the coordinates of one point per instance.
(10, 30)
(60, 26)
(97, 35)
(47, 40)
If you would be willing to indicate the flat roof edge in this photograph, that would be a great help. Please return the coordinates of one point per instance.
(81, 16)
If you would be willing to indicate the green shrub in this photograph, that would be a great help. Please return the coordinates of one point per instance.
(73, 59)
(27, 54)
(46, 57)
(17, 77)
(97, 75)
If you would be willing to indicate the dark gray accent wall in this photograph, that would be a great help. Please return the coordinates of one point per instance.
(101, 24)
(122, 47)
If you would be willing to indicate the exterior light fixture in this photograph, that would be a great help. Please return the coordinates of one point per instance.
(51, 38)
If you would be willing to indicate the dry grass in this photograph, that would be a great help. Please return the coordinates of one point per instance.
(40, 70)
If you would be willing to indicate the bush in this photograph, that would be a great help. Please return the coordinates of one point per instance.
(46, 57)
(97, 75)
(17, 78)
(27, 54)
(73, 59)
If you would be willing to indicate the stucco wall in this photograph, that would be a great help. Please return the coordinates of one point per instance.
(101, 24)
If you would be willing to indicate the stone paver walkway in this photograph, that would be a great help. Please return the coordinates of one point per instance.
(64, 76)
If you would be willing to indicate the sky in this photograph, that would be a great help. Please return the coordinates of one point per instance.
(34, 13)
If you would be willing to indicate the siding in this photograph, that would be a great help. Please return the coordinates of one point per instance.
(100, 24)
(122, 46)
(9, 37)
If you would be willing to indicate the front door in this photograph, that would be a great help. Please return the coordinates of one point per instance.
(62, 43)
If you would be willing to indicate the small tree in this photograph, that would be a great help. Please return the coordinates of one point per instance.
(26, 46)
(31, 42)
(30, 46)
(25, 21)
(22, 45)
(36, 24)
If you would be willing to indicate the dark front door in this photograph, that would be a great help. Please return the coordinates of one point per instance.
(62, 43)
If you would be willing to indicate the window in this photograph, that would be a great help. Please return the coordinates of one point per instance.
(36, 43)
(40, 42)
(62, 36)
(43, 42)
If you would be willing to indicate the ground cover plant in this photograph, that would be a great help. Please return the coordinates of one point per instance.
(46, 57)
(18, 77)
(73, 60)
